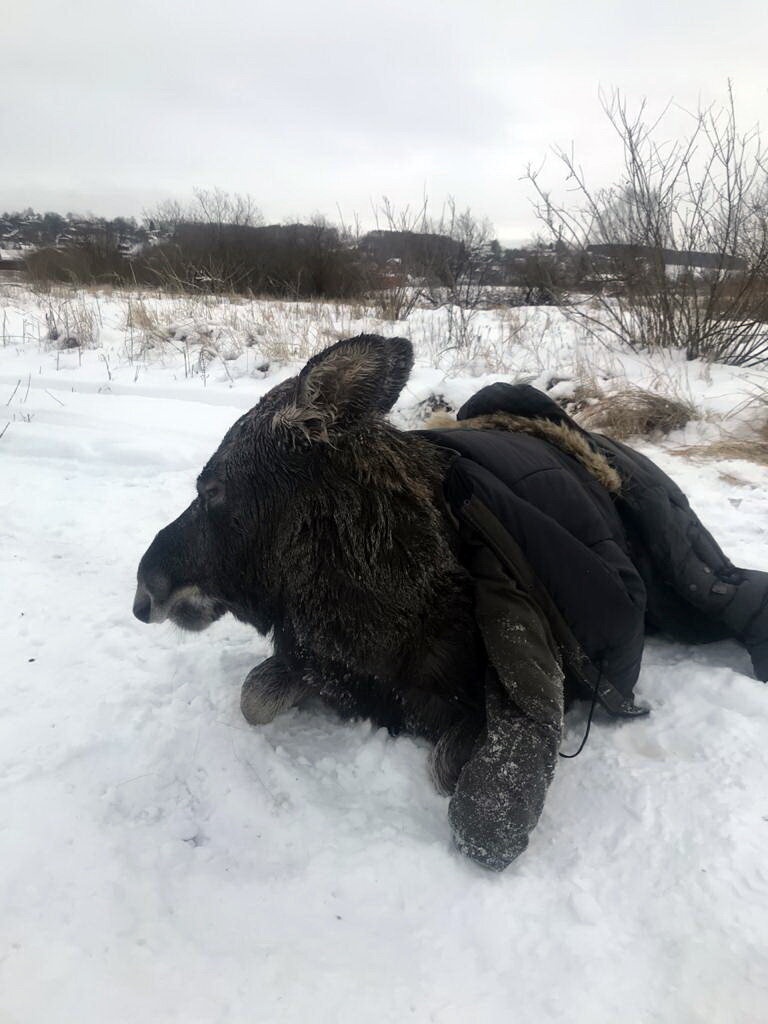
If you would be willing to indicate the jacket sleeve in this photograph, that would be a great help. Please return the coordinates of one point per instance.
(594, 609)
(500, 792)
(687, 561)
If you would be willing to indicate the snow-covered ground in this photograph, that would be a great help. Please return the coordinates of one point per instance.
(162, 861)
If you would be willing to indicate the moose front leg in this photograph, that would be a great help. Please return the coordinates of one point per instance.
(269, 689)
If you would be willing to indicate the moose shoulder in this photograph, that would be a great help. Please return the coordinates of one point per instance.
(452, 584)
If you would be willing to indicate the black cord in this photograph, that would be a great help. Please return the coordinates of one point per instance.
(592, 707)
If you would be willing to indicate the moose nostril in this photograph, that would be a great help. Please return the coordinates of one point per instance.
(142, 605)
(154, 585)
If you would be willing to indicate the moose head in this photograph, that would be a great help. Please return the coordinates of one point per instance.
(317, 520)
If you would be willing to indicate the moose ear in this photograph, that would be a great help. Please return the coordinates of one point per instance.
(350, 380)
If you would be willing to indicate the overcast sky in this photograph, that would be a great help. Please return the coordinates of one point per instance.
(316, 105)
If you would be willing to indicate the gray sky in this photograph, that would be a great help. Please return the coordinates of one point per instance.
(110, 106)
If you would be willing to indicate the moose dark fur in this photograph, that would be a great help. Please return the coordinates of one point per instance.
(318, 521)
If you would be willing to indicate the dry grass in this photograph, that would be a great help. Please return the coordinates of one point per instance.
(733, 480)
(458, 341)
(587, 394)
(746, 449)
(753, 449)
(635, 412)
(204, 328)
(71, 322)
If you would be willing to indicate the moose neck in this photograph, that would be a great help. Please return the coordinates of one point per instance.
(366, 561)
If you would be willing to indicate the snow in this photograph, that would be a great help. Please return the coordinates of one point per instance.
(162, 861)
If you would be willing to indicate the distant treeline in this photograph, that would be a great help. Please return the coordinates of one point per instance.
(221, 245)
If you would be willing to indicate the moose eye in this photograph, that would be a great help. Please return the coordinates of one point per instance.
(212, 492)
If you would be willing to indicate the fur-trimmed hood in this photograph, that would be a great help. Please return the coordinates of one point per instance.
(568, 438)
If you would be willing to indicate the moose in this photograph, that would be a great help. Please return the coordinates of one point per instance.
(462, 583)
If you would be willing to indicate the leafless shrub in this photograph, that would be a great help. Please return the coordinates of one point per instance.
(635, 412)
(676, 251)
(392, 297)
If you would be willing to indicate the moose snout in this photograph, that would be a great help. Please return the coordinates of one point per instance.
(142, 604)
(153, 592)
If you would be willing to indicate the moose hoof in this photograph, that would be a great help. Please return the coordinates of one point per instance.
(269, 689)
(451, 753)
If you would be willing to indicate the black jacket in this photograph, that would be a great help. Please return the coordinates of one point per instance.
(569, 578)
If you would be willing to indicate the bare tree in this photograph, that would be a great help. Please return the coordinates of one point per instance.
(216, 207)
(677, 249)
(165, 216)
(219, 207)
(396, 283)
(465, 270)
(444, 260)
